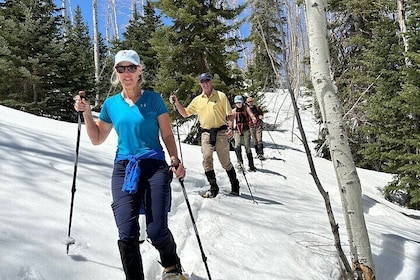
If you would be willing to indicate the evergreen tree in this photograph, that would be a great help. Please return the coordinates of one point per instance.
(266, 28)
(197, 42)
(394, 117)
(6, 63)
(79, 56)
(31, 36)
(137, 37)
(351, 27)
(76, 70)
(376, 88)
(357, 56)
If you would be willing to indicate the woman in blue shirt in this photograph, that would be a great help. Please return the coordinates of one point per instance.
(141, 177)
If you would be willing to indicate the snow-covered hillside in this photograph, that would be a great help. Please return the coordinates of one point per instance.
(281, 232)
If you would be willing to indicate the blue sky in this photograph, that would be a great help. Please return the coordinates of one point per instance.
(86, 7)
(124, 13)
(123, 17)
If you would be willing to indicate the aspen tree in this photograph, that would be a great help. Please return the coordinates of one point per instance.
(332, 112)
(95, 46)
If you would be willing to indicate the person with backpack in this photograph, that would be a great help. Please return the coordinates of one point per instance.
(242, 120)
(141, 177)
(257, 127)
(214, 111)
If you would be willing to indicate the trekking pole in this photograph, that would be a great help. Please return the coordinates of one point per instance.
(246, 180)
(71, 240)
(249, 188)
(272, 140)
(203, 255)
(261, 162)
(269, 134)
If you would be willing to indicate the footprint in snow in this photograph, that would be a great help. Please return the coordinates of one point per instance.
(29, 273)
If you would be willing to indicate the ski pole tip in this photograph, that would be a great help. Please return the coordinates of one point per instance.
(69, 241)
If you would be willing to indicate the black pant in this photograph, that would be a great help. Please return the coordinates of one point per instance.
(154, 197)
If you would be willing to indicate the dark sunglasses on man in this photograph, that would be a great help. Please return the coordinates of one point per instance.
(121, 69)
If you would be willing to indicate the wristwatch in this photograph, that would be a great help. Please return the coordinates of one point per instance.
(175, 162)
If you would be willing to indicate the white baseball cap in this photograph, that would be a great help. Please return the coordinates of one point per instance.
(238, 99)
(127, 55)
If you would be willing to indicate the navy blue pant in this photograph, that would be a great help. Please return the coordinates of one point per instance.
(154, 196)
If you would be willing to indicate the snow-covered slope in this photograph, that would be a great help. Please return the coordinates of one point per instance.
(281, 231)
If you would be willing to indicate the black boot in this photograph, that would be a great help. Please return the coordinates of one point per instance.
(233, 181)
(260, 151)
(211, 177)
(238, 152)
(251, 162)
(131, 259)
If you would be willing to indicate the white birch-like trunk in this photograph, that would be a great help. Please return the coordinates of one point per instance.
(331, 110)
(114, 12)
(95, 46)
(64, 15)
(403, 27)
(133, 7)
(64, 10)
(112, 31)
(108, 23)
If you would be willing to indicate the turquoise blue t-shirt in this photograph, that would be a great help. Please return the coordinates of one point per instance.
(136, 125)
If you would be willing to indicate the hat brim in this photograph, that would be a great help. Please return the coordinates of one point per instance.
(126, 60)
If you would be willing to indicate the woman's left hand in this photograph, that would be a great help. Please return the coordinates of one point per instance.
(179, 171)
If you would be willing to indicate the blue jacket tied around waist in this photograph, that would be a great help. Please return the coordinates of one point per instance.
(132, 170)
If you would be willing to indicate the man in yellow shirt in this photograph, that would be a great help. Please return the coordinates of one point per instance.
(215, 116)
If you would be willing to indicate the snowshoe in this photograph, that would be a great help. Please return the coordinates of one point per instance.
(234, 193)
(208, 194)
(239, 166)
(174, 274)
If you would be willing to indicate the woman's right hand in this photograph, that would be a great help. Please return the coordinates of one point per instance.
(81, 104)
(179, 171)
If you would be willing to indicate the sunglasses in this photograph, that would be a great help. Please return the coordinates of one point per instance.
(131, 68)
(205, 81)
